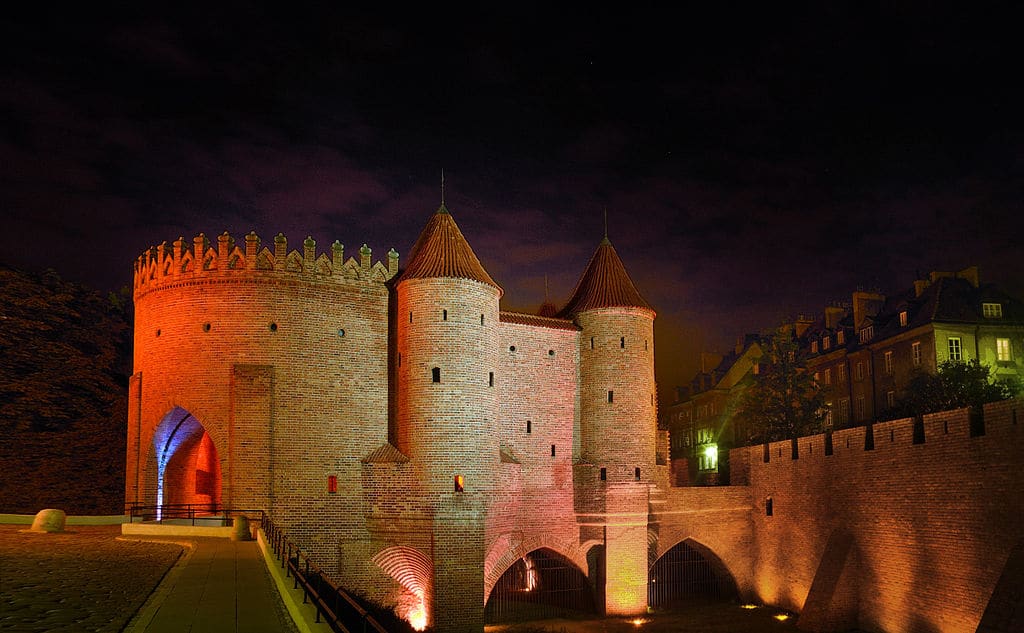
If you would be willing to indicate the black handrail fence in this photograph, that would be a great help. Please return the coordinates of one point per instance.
(338, 609)
(334, 605)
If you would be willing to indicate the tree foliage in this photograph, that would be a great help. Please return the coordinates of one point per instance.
(782, 401)
(955, 385)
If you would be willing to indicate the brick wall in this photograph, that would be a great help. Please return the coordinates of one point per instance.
(932, 524)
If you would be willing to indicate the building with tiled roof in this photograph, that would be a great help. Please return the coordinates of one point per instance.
(865, 354)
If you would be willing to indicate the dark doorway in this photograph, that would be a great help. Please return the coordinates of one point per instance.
(687, 572)
(543, 584)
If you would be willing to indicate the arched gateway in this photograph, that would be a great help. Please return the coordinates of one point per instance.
(184, 463)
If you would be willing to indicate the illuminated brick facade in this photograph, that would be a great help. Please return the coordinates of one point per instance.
(463, 438)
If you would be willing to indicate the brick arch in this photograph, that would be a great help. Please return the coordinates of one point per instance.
(719, 566)
(414, 571)
(182, 461)
(510, 547)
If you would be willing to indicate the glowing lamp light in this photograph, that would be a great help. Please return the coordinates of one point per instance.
(781, 617)
(748, 606)
(418, 617)
(638, 622)
(711, 452)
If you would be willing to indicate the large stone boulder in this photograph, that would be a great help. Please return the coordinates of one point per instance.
(49, 520)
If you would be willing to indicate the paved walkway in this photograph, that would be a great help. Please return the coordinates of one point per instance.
(222, 585)
(88, 580)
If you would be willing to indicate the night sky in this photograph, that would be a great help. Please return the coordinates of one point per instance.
(754, 164)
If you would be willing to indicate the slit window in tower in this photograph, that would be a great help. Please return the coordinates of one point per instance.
(529, 426)
(460, 484)
(622, 342)
(768, 509)
(436, 374)
(410, 316)
(591, 342)
(604, 474)
(611, 396)
(481, 319)
(332, 484)
(552, 450)
(490, 379)
(636, 474)
(444, 315)
(645, 345)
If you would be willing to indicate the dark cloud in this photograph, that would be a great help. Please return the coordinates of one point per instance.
(753, 166)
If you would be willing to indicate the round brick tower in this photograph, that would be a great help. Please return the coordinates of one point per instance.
(447, 343)
(618, 415)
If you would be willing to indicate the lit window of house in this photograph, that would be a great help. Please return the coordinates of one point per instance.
(828, 415)
(814, 347)
(867, 334)
(817, 376)
(841, 372)
(956, 350)
(858, 372)
(1003, 349)
(903, 318)
(992, 310)
(844, 411)
(840, 337)
(859, 409)
(828, 376)
(890, 399)
(889, 364)
(915, 352)
(826, 342)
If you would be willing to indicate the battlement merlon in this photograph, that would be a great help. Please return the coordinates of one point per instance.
(164, 265)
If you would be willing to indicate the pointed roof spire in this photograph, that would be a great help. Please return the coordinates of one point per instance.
(604, 284)
(547, 309)
(442, 251)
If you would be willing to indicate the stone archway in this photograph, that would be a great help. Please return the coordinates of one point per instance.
(187, 463)
(685, 571)
(540, 584)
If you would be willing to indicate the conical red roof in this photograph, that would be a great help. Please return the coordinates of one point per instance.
(604, 284)
(442, 251)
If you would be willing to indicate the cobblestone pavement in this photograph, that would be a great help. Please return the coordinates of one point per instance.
(81, 580)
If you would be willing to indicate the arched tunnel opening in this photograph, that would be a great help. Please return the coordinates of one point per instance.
(541, 585)
(687, 573)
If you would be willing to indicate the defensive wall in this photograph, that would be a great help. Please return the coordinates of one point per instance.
(892, 527)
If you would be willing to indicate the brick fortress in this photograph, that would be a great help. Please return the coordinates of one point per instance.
(423, 444)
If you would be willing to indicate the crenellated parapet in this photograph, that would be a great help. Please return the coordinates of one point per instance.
(182, 261)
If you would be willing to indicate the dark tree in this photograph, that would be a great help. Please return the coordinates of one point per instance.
(955, 385)
(782, 401)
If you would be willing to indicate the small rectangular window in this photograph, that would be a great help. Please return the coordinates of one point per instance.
(490, 379)
(903, 318)
(1003, 349)
(481, 319)
(826, 342)
(529, 426)
(890, 399)
(444, 315)
(858, 372)
(956, 351)
(611, 396)
(841, 372)
(604, 474)
(890, 365)
(591, 342)
(636, 474)
(915, 353)
(840, 337)
(552, 450)
(460, 483)
(332, 484)
(435, 374)
(814, 347)
(622, 342)
(768, 509)
(860, 410)
(992, 310)
(828, 376)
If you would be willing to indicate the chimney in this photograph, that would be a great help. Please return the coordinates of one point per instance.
(865, 304)
(971, 275)
(833, 315)
(801, 325)
(920, 285)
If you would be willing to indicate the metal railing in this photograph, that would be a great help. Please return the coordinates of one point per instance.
(190, 512)
(337, 608)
